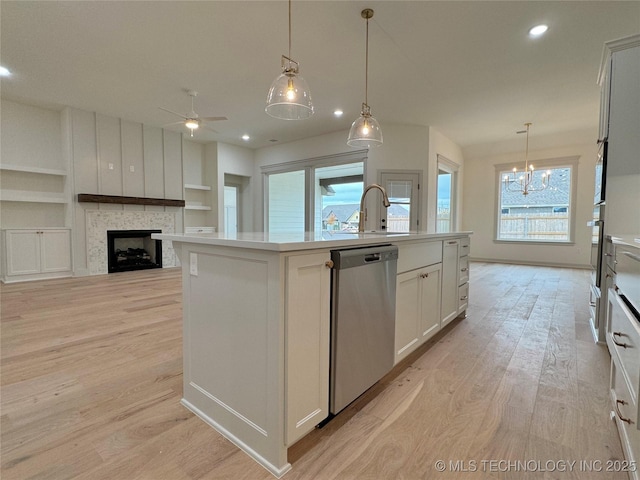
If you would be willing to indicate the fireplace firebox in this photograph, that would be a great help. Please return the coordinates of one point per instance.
(133, 250)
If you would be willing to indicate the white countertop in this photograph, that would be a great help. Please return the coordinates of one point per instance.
(630, 240)
(293, 241)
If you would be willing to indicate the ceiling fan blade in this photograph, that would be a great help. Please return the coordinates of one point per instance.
(175, 113)
(206, 127)
(172, 124)
(213, 119)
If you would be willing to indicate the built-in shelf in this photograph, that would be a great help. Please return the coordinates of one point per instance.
(196, 207)
(190, 186)
(30, 196)
(26, 169)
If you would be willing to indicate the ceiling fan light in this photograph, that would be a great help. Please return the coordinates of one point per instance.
(191, 124)
(289, 97)
(365, 130)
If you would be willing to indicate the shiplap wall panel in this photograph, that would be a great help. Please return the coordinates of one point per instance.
(109, 155)
(173, 187)
(153, 162)
(132, 158)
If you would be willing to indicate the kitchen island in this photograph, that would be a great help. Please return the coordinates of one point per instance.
(256, 312)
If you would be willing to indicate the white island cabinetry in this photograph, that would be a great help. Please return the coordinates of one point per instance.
(307, 342)
(256, 312)
(418, 290)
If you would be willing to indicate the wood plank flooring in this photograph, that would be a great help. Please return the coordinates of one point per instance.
(92, 379)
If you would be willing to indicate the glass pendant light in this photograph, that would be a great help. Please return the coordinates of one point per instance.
(289, 97)
(365, 131)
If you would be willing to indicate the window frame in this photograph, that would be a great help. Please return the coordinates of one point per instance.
(571, 162)
(452, 169)
(308, 165)
(414, 176)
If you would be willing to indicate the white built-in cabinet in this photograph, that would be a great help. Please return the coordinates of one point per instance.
(431, 290)
(455, 278)
(307, 350)
(417, 308)
(34, 254)
(450, 268)
(619, 125)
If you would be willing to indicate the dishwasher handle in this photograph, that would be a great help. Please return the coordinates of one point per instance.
(372, 257)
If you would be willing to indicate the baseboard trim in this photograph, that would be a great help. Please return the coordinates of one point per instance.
(533, 264)
(278, 472)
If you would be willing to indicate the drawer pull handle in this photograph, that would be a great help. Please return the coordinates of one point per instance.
(619, 334)
(592, 304)
(452, 242)
(328, 264)
(464, 269)
(464, 297)
(622, 419)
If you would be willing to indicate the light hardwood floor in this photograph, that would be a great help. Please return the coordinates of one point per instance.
(92, 379)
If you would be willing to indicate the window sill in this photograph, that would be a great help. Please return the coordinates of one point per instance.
(535, 242)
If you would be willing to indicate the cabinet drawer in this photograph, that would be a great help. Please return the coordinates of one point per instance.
(625, 412)
(417, 255)
(463, 297)
(464, 246)
(463, 275)
(623, 339)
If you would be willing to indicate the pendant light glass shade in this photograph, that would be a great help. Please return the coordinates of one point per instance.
(289, 97)
(365, 130)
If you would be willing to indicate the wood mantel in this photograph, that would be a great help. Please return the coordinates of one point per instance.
(163, 202)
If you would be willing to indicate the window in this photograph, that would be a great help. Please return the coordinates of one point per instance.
(317, 194)
(338, 191)
(446, 195)
(230, 209)
(540, 216)
(403, 190)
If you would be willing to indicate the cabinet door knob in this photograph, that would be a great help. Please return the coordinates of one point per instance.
(623, 419)
(328, 264)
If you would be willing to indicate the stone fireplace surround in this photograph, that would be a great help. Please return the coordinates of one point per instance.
(99, 221)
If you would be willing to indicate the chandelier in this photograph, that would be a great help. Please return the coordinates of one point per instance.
(524, 182)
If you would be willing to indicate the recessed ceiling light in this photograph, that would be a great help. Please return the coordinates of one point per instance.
(538, 30)
(338, 113)
(4, 72)
(246, 137)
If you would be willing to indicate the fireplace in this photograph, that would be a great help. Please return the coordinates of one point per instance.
(133, 250)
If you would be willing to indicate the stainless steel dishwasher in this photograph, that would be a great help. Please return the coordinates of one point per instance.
(363, 306)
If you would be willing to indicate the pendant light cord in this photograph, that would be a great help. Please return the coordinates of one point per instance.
(289, 31)
(366, 68)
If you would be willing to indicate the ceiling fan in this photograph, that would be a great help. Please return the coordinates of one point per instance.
(192, 120)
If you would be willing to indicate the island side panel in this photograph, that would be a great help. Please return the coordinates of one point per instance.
(233, 347)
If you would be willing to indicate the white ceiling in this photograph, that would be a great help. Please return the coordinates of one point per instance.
(468, 68)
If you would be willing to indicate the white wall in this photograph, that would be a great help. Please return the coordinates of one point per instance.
(479, 214)
(405, 147)
(31, 136)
